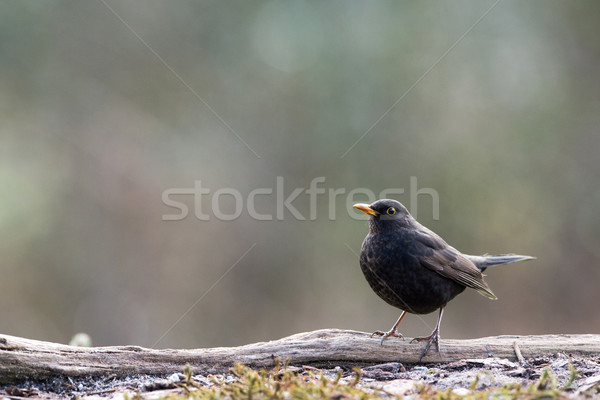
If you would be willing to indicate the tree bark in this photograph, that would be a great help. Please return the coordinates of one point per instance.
(25, 359)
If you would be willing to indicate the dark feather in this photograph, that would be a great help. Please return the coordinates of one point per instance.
(444, 259)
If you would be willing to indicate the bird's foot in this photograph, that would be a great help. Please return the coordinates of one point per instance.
(433, 338)
(385, 335)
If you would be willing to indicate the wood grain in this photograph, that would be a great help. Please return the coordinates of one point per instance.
(26, 359)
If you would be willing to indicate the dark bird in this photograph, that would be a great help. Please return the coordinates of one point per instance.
(414, 269)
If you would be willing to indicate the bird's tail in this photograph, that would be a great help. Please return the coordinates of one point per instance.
(482, 262)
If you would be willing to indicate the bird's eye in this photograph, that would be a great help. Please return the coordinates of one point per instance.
(391, 211)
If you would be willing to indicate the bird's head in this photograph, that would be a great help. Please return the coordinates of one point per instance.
(386, 215)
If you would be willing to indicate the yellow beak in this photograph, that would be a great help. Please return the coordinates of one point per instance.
(366, 209)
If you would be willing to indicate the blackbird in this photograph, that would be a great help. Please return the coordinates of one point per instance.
(414, 269)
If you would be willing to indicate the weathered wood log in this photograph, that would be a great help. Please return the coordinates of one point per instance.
(25, 359)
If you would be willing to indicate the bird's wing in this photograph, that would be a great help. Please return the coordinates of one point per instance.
(435, 254)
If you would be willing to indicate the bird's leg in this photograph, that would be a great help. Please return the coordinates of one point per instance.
(434, 337)
(391, 332)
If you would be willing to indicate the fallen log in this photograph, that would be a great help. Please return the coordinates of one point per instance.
(26, 359)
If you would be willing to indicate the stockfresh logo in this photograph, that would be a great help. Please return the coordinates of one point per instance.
(209, 203)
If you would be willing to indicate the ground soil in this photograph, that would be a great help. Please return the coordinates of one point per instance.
(574, 374)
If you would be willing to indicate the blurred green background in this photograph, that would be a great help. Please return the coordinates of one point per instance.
(104, 106)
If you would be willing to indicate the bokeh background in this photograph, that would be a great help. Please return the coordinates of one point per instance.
(105, 105)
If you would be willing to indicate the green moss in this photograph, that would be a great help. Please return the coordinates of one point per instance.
(285, 382)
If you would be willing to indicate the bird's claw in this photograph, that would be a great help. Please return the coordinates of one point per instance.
(385, 335)
(433, 338)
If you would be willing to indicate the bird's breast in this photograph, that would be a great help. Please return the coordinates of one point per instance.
(396, 275)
